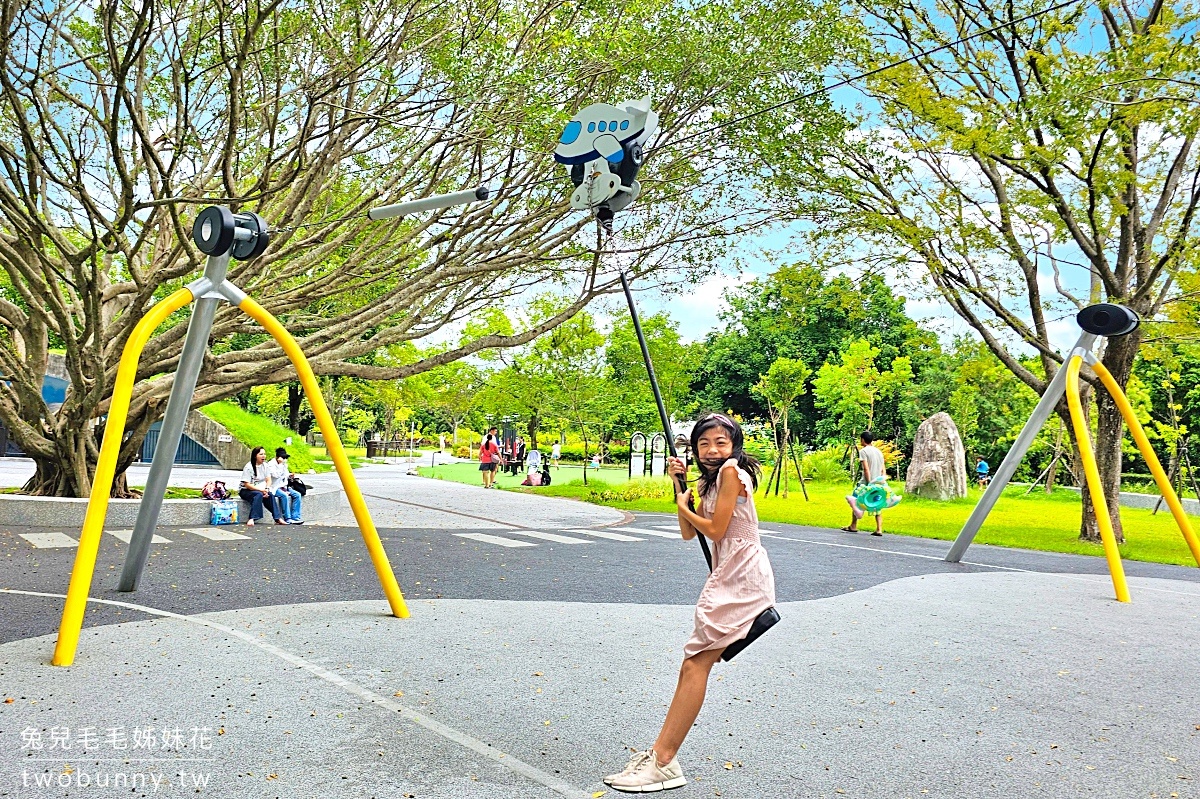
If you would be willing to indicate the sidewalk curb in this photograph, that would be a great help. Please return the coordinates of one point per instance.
(18, 510)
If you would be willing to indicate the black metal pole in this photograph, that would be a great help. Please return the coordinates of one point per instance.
(680, 482)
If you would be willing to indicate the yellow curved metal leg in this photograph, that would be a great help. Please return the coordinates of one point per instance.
(1143, 444)
(334, 446)
(1103, 521)
(106, 465)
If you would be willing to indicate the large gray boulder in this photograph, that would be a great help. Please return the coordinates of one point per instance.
(938, 469)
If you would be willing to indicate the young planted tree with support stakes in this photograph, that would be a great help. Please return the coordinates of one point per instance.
(779, 387)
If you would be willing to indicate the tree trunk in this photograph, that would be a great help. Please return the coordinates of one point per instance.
(69, 472)
(783, 464)
(295, 398)
(1052, 472)
(532, 429)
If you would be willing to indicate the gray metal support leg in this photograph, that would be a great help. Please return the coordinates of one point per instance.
(1016, 453)
(195, 345)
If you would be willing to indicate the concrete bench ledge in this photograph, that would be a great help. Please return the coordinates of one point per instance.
(23, 511)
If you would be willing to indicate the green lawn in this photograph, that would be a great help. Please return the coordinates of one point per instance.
(469, 473)
(1035, 522)
(258, 431)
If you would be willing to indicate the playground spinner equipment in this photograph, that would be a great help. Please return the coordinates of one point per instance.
(1097, 321)
(220, 234)
(602, 147)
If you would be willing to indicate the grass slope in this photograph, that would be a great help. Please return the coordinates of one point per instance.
(258, 431)
(1046, 523)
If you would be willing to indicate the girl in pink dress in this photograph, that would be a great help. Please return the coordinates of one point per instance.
(740, 587)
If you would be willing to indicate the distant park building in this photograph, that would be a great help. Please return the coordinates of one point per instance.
(54, 393)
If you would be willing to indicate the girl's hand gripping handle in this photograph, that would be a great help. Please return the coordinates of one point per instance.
(678, 472)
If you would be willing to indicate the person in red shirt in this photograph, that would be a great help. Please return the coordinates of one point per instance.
(489, 455)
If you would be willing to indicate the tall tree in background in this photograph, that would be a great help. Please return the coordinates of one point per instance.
(121, 118)
(674, 364)
(801, 312)
(1038, 168)
(849, 391)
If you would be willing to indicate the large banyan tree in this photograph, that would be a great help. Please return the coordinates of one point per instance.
(122, 119)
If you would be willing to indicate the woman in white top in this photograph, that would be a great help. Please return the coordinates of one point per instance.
(256, 487)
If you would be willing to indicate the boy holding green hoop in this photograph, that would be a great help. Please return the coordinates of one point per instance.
(871, 460)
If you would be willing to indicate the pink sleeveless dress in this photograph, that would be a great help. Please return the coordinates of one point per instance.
(742, 584)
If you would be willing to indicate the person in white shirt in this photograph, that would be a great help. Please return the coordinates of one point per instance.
(555, 454)
(287, 499)
(256, 487)
(871, 460)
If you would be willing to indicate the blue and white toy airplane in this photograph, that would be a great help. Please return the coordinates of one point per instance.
(602, 147)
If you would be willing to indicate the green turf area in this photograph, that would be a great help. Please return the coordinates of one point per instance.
(258, 431)
(469, 473)
(1037, 521)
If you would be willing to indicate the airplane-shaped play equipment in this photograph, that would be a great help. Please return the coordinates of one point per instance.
(602, 147)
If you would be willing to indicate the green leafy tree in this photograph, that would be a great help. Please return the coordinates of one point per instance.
(850, 390)
(674, 364)
(799, 312)
(1021, 175)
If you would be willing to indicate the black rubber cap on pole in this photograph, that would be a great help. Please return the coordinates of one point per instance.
(213, 230)
(1108, 319)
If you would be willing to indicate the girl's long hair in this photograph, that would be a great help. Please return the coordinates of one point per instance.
(708, 477)
(254, 459)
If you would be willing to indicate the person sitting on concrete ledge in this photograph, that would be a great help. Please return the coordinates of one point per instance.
(256, 487)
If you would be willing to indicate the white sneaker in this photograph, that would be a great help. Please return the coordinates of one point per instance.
(634, 762)
(648, 776)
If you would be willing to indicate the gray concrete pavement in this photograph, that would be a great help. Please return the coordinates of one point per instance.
(981, 685)
(526, 671)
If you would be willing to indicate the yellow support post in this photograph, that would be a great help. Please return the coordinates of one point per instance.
(106, 466)
(1083, 436)
(1143, 444)
(334, 446)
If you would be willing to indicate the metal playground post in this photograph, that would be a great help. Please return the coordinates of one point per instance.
(220, 234)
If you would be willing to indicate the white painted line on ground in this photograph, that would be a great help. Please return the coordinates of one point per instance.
(127, 535)
(50, 540)
(655, 533)
(489, 751)
(1087, 578)
(778, 537)
(216, 533)
(495, 539)
(558, 539)
(674, 529)
(604, 534)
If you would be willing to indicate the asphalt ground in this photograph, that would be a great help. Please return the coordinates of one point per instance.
(525, 671)
(312, 563)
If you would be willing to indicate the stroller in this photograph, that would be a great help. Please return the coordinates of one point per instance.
(533, 476)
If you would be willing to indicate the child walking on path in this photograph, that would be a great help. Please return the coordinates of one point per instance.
(740, 587)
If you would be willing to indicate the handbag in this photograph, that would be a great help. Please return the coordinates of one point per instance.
(298, 485)
(223, 511)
